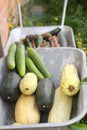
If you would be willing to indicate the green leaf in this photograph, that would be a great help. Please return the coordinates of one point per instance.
(83, 81)
(78, 126)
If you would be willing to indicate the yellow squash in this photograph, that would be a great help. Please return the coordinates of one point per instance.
(62, 107)
(70, 82)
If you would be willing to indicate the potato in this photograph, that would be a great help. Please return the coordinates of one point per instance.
(26, 110)
(28, 84)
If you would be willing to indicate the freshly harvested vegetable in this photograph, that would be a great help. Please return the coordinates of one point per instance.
(26, 110)
(32, 68)
(45, 44)
(45, 94)
(46, 35)
(28, 84)
(36, 58)
(9, 91)
(61, 110)
(54, 41)
(33, 44)
(55, 31)
(62, 39)
(11, 56)
(44, 116)
(29, 42)
(55, 37)
(70, 82)
(39, 40)
(20, 59)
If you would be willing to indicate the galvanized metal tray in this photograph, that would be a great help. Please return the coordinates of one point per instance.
(21, 32)
(55, 59)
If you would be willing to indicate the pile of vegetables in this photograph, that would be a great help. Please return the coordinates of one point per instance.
(63, 101)
(30, 86)
(54, 38)
(17, 59)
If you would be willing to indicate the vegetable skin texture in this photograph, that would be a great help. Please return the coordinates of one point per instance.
(9, 90)
(20, 59)
(70, 82)
(62, 39)
(28, 84)
(39, 40)
(11, 56)
(32, 68)
(45, 94)
(55, 31)
(61, 109)
(36, 58)
(26, 110)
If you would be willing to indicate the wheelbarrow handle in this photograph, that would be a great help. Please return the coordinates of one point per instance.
(19, 12)
(64, 13)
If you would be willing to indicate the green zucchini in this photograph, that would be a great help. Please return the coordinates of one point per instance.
(45, 94)
(20, 59)
(55, 31)
(11, 56)
(29, 42)
(62, 39)
(32, 68)
(9, 90)
(39, 40)
(36, 58)
(44, 116)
